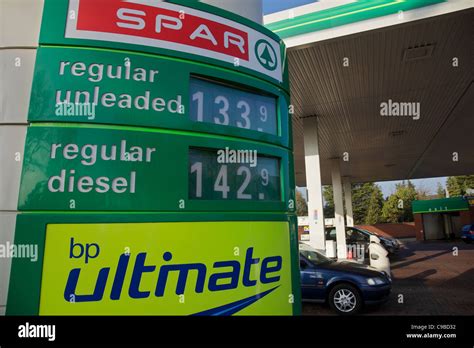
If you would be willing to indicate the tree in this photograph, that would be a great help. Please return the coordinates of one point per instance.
(390, 210)
(361, 195)
(407, 194)
(374, 210)
(328, 202)
(397, 208)
(423, 193)
(453, 187)
(458, 185)
(466, 182)
(440, 192)
(301, 205)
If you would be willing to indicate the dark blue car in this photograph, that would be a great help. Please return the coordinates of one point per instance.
(467, 233)
(346, 286)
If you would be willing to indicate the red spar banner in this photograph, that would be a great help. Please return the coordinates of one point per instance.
(159, 23)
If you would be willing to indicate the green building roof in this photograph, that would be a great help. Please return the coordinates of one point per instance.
(440, 205)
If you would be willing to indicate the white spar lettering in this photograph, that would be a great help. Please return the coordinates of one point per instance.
(139, 22)
(173, 23)
(135, 21)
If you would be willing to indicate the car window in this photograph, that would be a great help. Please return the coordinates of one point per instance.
(369, 233)
(303, 264)
(361, 237)
(350, 234)
(354, 235)
(314, 257)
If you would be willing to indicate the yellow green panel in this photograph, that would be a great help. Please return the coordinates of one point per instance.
(237, 267)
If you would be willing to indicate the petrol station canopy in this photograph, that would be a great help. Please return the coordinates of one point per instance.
(421, 55)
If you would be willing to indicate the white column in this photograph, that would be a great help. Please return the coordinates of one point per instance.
(338, 210)
(251, 9)
(19, 31)
(317, 238)
(20, 22)
(348, 203)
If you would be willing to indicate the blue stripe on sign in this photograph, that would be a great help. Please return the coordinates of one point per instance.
(234, 307)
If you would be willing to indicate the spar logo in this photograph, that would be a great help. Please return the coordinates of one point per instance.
(266, 55)
(174, 27)
(224, 275)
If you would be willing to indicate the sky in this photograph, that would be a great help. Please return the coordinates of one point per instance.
(430, 184)
(271, 6)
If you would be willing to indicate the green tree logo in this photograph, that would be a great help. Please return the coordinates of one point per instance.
(266, 55)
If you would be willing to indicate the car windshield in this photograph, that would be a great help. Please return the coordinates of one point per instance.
(371, 233)
(314, 257)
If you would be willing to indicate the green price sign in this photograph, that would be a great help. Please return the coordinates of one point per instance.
(156, 132)
(101, 168)
(108, 87)
(229, 174)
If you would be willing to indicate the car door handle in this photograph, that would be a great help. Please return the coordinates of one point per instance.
(313, 276)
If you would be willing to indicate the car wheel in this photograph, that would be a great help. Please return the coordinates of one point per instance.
(345, 299)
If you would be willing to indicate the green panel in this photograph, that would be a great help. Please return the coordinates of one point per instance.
(26, 276)
(440, 205)
(345, 14)
(53, 31)
(295, 264)
(113, 87)
(98, 168)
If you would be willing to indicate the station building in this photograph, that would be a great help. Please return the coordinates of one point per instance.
(443, 218)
